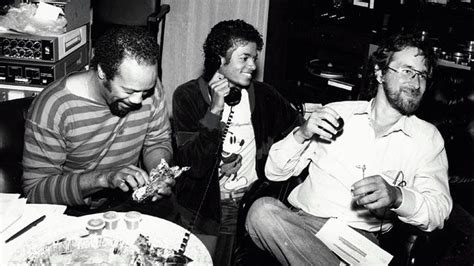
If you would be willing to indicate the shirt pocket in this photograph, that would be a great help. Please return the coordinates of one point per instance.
(395, 177)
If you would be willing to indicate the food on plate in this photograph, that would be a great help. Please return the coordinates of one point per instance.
(152, 255)
(157, 180)
(91, 250)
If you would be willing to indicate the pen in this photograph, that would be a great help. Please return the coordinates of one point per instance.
(26, 228)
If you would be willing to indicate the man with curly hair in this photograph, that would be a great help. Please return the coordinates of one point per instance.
(370, 163)
(225, 144)
(87, 136)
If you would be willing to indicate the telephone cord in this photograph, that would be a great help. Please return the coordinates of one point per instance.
(187, 235)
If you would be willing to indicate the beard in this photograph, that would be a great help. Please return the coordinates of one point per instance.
(117, 109)
(405, 100)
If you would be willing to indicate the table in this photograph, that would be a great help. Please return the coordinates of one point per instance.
(161, 233)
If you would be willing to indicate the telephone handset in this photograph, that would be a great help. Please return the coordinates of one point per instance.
(233, 98)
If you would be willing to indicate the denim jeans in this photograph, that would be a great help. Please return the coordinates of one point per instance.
(289, 234)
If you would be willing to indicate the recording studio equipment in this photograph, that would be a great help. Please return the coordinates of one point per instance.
(24, 78)
(34, 48)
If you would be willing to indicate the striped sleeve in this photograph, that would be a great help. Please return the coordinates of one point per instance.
(158, 135)
(44, 154)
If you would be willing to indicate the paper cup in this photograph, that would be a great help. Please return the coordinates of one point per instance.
(111, 219)
(132, 219)
(95, 226)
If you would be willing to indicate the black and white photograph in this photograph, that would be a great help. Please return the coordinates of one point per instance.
(237, 132)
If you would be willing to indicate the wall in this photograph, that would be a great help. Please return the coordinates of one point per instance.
(187, 26)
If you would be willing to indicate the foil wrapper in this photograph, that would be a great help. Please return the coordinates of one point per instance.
(150, 254)
(158, 175)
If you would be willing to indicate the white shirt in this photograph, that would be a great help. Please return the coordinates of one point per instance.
(240, 139)
(411, 146)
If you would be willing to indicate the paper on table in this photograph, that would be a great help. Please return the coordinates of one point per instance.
(12, 209)
(46, 208)
(31, 212)
(8, 196)
(56, 221)
(351, 246)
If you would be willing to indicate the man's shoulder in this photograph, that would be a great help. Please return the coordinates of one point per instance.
(55, 100)
(51, 96)
(190, 85)
(349, 107)
(266, 91)
(190, 90)
(421, 127)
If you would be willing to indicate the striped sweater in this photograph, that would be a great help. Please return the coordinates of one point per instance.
(67, 135)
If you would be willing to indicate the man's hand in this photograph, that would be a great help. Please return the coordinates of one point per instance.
(165, 190)
(373, 192)
(231, 164)
(323, 122)
(126, 177)
(220, 87)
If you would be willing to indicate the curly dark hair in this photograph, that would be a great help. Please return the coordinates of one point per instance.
(382, 57)
(224, 36)
(119, 42)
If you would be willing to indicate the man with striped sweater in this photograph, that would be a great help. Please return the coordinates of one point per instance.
(87, 136)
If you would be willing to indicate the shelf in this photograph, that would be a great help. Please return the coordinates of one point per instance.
(446, 63)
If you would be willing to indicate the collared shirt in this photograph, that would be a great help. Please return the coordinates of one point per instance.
(412, 150)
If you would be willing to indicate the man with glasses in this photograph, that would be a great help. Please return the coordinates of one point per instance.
(369, 163)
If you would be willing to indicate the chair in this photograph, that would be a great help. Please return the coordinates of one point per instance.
(146, 13)
(12, 128)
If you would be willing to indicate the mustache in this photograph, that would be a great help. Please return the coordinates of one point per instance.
(133, 107)
(412, 91)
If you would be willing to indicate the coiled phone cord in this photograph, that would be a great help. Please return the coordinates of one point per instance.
(187, 235)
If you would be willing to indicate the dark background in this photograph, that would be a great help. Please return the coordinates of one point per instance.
(341, 33)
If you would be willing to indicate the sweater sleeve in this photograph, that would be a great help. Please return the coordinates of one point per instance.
(43, 178)
(197, 134)
(157, 143)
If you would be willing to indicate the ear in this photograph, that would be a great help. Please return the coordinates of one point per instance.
(100, 72)
(378, 74)
(222, 60)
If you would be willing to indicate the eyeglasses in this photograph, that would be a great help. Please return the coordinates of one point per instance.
(408, 73)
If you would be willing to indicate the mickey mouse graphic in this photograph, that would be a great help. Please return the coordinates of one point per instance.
(231, 163)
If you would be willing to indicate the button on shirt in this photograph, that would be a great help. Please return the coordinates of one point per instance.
(412, 150)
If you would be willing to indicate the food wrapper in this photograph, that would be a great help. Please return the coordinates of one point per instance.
(157, 180)
(150, 254)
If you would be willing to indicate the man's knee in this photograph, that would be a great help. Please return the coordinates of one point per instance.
(261, 213)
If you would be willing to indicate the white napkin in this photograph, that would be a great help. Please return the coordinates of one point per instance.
(47, 12)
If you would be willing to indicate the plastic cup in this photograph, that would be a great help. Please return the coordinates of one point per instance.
(132, 219)
(111, 219)
(95, 226)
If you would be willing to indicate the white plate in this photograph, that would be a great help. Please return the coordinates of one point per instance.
(161, 233)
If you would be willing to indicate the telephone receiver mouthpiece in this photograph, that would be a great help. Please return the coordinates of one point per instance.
(233, 98)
